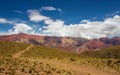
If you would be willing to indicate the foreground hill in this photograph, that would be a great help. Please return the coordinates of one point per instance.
(12, 64)
(37, 60)
(107, 59)
(10, 48)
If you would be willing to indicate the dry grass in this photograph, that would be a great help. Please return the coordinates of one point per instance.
(16, 66)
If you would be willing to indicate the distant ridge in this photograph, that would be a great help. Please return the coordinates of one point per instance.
(68, 43)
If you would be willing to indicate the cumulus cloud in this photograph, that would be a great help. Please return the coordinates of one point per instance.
(50, 8)
(110, 27)
(35, 16)
(20, 28)
(55, 28)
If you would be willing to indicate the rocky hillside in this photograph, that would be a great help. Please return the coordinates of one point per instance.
(68, 43)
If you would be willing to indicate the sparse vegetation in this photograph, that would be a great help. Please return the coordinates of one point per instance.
(10, 48)
(50, 53)
(112, 52)
(15, 66)
(102, 59)
(108, 59)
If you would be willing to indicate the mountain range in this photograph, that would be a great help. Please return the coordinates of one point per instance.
(72, 44)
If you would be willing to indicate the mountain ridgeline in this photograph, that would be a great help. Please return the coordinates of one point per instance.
(72, 44)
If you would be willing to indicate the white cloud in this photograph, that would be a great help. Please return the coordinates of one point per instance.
(110, 27)
(50, 8)
(3, 20)
(48, 21)
(20, 28)
(35, 16)
(55, 28)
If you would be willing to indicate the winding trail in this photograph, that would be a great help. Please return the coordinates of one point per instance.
(17, 55)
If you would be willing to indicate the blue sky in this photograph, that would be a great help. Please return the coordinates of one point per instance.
(74, 18)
